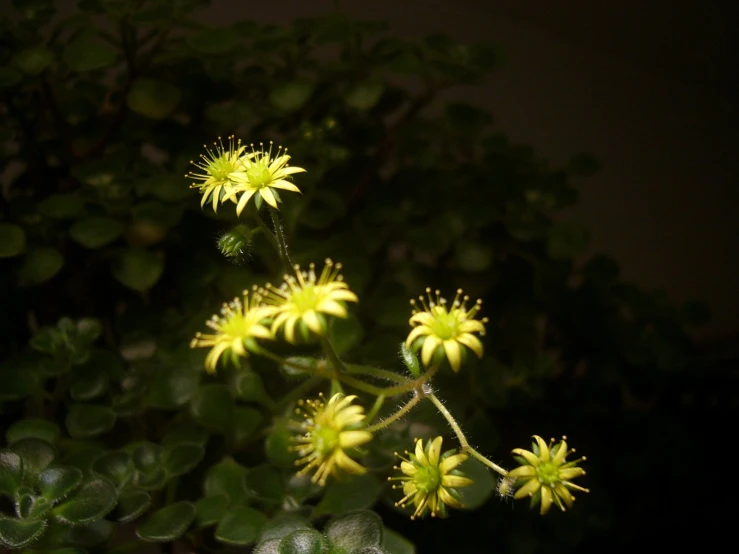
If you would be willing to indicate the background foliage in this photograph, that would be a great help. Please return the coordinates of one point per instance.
(108, 266)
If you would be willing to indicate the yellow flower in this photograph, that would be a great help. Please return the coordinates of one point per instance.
(217, 166)
(545, 475)
(259, 173)
(329, 430)
(430, 479)
(238, 324)
(306, 299)
(445, 329)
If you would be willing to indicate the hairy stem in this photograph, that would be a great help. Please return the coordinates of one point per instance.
(407, 407)
(281, 239)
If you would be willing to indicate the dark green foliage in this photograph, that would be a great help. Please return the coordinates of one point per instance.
(108, 266)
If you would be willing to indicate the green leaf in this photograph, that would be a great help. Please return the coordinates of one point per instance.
(172, 387)
(268, 547)
(345, 334)
(18, 383)
(138, 269)
(12, 240)
(11, 472)
(566, 240)
(55, 483)
(131, 504)
(32, 428)
(116, 466)
(86, 53)
(33, 61)
(360, 492)
(85, 421)
(240, 526)
(90, 535)
(249, 387)
(94, 232)
(364, 95)
(476, 495)
(30, 506)
(17, 533)
(282, 525)
(213, 41)
(147, 456)
(355, 530)
(210, 509)
(473, 257)
(88, 384)
(36, 454)
(186, 433)
(278, 445)
(167, 524)
(245, 422)
(395, 543)
(303, 541)
(227, 478)
(92, 501)
(212, 407)
(9, 77)
(410, 360)
(183, 458)
(290, 96)
(40, 265)
(153, 99)
(265, 483)
(62, 206)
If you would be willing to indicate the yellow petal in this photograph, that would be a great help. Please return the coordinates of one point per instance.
(238, 177)
(422, 318)
(247, 194)
(455, 481)
(561, 491)
(453, 353)
(546, 499)
(350, 439)
(311, 320)
(471, 326)
(530, 457)
(211, 360)
(216, 197)
(543, 448)
(284, 185)
(268, 197)
(420, 454)
(408, 468)
(449, 500)
(435, 451)
(344, 295)
(448, 464)
(417, 332)
(260, 332)
(290, 329)
(428, 349)
(559, 457)
(471, 342)
(284, 171)
(278, 162)
(332, 307)
(347, 464)
(571, 473)
(522, 471)
(531, 486)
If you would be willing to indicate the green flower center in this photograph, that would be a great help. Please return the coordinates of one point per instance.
(259, 174)
(445, 325)
(325, 439)
(427, 479)
(548, 473)
(220, 167)
(305, 298)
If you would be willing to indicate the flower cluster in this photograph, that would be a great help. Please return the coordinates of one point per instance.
(545, 475)
(430, 479)
(303, 301)
(440, 329)
(231, 172)
(329, 432)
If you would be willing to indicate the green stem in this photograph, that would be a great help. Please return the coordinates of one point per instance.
(332, 355)
(379, 401)
(270, 237)
(297, 393)
(281, 240)
(462, 439)
(375, 372)
(407, 407)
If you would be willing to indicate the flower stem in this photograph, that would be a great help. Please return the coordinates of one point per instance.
(379, 401)
(462, 439)
(270, 237)
(376, 372)
(332, 355)
(281, 239)
(407, 407)
(297, 393)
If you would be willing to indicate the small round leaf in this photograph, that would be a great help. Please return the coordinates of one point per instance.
(56, 483)
(211, 509)
(212, 407)
(138, 269)
(17, 533)
(153, 99)
(240, 526)
(86, 421)
(94, 232)
(86, 53)
(167, 524)
(131, 504)
(36, 454)
(11, 472)
(40, 265)
(183, 458)
(32, 428)
(92, 501)
(228, 478)
(355, 530)
(290, 96)
(62, 206)
(12, 240)
(303, 541)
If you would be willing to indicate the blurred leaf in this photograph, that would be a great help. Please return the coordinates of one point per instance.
(473, 257)
(210, 509)
(566, 240)
(341, 497)
(94, 232)
(36, 455)
(88, 384)
(11, 472)
(395, 543)
(12, 240)
(364, 95)
(290, 96)
(87, 420)
(249, 387)
(214, 41)
(153, 99)
(228, 478)
(56, 483)
(167, 524)
(345, 334)
(91, 535)
(240, 526)
(32, 428)
(265, 483)
(40, 265)
(476, 495)
(304, 541)
(131, 504)
(212, 407)
(187, 433)
(86, 53)
(116, 466)
(282, 525)
(17, 533)
(172, 387)
(245, 422)
(138, 269)
(33, 61)
(278, 445)
(183, 458)
(355, 530)
(92, 501)
(62, 206)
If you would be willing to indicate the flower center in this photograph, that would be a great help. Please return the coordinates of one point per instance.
(220, 167)
(445, 325)
(259, 174)
(427, 479)
(548, 473)
(305, 298)
(325, 439)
